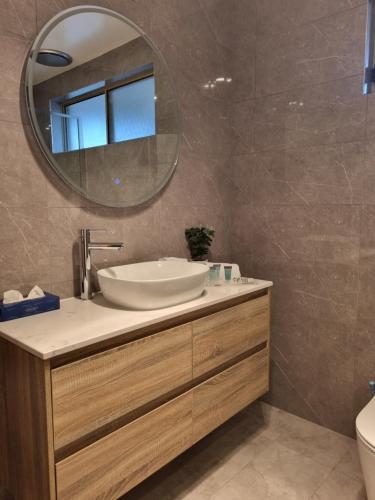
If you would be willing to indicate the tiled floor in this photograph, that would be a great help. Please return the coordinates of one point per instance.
(261, 454)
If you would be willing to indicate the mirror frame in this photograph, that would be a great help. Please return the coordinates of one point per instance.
(31, 60)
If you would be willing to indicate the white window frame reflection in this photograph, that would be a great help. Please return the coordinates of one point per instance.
(105, 90)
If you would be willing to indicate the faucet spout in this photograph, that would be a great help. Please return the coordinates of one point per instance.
(106, 246)
(86, 246)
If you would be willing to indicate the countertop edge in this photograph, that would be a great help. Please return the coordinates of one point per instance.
(53, 353)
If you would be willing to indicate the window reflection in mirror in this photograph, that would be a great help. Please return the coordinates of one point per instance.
(131, 110)
(102, 114)
(85, 124)
(108, 120)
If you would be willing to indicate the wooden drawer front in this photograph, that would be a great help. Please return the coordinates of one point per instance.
(220, 397)
(113, 465)
(97, 390)
(224, 335)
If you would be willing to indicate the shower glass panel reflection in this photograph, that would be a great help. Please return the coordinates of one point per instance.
(91, 116)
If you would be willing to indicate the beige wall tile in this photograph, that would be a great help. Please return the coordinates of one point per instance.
(275, 16)
(323, 114)
(325, 50)
(24, 251)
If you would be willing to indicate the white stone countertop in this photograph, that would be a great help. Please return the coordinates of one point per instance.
(81, 323)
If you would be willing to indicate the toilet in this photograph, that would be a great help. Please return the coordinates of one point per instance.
(365, 425)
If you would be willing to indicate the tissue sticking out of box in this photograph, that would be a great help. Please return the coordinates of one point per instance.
(35, 293)
(11, 296)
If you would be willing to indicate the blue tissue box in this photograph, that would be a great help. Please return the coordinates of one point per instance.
(29, 307)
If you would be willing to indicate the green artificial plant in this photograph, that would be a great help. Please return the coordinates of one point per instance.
(199, 240)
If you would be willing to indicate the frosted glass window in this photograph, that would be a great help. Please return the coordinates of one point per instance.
(85, 90)
(132, 110)
(91, 130)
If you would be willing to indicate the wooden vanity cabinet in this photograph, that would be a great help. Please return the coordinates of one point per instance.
(225, 394)
(118, 462)
(220, 337)
(94, 424)
(94, 391)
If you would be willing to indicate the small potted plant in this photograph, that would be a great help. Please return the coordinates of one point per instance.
(199, 240)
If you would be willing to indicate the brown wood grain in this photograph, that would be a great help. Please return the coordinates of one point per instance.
(29, 425)
(220, 397)
(115, 464)
(119, 340)
(90, 393)
(154, 404)
(226, 334)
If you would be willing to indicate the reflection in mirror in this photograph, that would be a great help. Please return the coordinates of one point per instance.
(103, 106)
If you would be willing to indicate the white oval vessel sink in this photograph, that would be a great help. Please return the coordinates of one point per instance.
(153, 285)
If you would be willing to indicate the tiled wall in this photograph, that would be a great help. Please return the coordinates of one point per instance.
(304, 202)
(294, 135)
(40, 218)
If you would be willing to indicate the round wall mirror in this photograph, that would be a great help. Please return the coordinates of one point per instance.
(103, 106)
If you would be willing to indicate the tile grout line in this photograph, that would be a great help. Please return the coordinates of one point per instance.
(313, 21)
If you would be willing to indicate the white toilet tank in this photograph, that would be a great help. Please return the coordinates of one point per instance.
(365, 425)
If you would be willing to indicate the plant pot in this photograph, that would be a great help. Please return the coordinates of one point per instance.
(202, 258)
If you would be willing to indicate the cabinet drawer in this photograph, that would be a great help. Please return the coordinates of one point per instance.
(220, 397)
(113, 465)
(224, 335)
(97, 390)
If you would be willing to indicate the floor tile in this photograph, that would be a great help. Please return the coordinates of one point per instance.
(262, 453)
(313, 441)
(340, 486)
(248, 484)
(289, 474)
(349, 464)
(231, 465)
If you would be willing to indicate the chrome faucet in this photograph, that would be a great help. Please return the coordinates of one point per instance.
(86, 245)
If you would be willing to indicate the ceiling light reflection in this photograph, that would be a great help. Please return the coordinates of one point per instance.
(211, 84)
